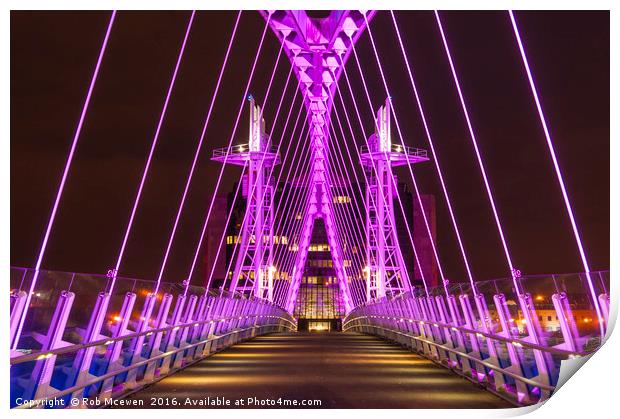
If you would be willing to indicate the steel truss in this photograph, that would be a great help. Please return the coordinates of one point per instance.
(253, 272)
(317, 48)
(386, 272)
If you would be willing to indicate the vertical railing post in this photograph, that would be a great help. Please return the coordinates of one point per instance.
(39, 384)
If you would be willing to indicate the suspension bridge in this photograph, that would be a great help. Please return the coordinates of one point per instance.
(318, 236)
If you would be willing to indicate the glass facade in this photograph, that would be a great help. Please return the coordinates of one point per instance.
(319, 294)
(319, 298)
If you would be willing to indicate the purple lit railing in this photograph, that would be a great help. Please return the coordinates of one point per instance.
(484, 337)
(397, 148)
(54, 360)
(240, 150)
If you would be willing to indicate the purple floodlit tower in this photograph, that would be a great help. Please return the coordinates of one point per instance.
(252, 276)
(386, 271)
(317, 46)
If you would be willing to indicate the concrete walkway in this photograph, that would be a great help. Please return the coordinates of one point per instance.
(341, 370)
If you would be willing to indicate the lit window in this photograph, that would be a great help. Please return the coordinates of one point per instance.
(232, 239)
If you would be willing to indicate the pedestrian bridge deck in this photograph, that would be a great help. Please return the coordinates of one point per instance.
(342, 370)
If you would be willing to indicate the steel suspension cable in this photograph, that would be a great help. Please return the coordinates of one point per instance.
(219, 179)
(336, 168)
(424, 282)
(232, 287)
(375, 170)
(197, 154)
(299, 199)
(225, 231)
(558, 172)
(366, 179)
(298, 164)
(337, 219)
(405, 218)
(478, 155)
(359, 212)
(413, 179)
(150, 156)
(434, 155)
(260, 170)
(234, 281)
(63, 179)
(297, 192)
(360, 235)
(340, 227)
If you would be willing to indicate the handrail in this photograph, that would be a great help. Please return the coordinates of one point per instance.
(139, 364)
(241, 148)
(520, 342)
(78, 346)
(397, 148)
(477, 360)
(104, 277)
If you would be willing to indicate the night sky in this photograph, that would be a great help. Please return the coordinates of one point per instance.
(53, 55)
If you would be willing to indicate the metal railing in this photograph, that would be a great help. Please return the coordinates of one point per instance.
(241, 148)
(396, 148)
(79, 345)
(511, 344)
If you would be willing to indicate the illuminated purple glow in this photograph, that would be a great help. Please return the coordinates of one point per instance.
(302, 230)
(335, 112)
(197, 153)
(232, 136)
(374, 167)
(52, 218)
(289, 171)
(151, 153)
(239, 184)
(558, 172)
(478, 156)
(343, 228)
(296, 200)
(299, 199)
(413, 179)
(301, 204)
(234, 281)
(244, 221)
(224, 233)
(359, 237)
(434, 153)
(366, 139)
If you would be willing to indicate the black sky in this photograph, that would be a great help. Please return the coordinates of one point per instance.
(53, 55)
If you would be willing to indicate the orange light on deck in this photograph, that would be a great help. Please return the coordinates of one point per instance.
(117, 318)
(539, 298)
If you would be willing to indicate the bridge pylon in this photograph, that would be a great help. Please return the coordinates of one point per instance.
(253, 271)
(386, 271)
